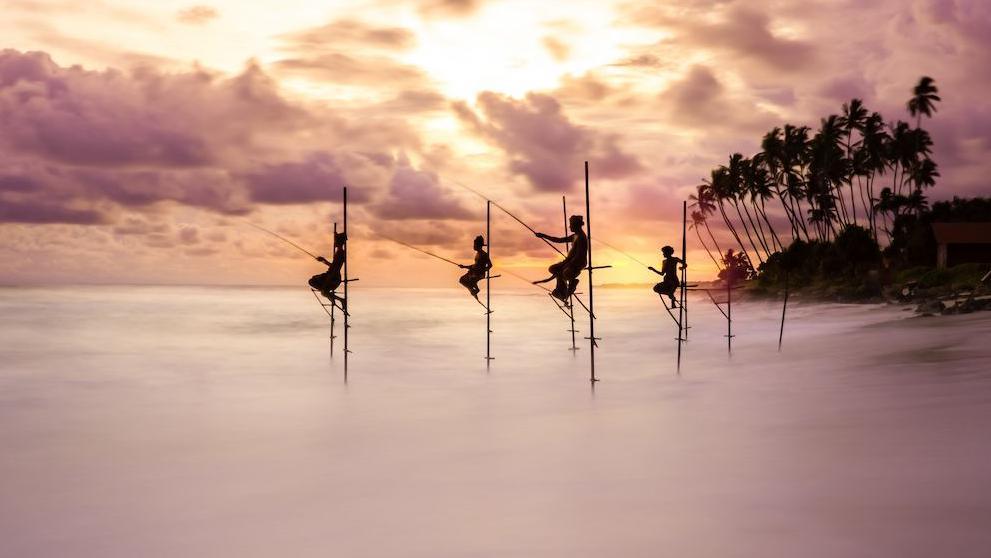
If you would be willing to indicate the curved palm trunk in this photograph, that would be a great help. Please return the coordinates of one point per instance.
(758, 233)
(736, 204)
(713, 237)
(732, 230)
(707, 251)
(774, 235)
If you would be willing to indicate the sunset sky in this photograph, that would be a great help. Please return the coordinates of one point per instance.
(139, 138)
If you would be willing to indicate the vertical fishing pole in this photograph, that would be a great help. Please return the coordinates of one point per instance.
(571, 306)
(488, 286)
(591, 304)
(347, 301)
(681, 306)
(784, 308)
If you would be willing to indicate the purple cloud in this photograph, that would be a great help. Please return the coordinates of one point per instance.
(542, 143)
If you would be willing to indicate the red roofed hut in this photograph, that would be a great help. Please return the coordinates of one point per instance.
(959, 243)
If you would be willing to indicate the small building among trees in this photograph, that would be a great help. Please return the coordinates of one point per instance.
(960, 243)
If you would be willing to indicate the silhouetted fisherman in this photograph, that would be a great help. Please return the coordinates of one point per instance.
(669, 270)
(328, 281)
(566, 271)
(476, 271)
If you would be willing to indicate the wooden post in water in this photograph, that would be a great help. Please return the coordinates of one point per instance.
(347, 301)
(682, 334)
(729, 314)
(333, 305)
(591, 302)
(571, 299)
(488, 285)
(784, 308)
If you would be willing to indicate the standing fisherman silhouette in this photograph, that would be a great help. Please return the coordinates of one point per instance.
(476, 271)
(669, 270)
(566, 271)
(328, 281)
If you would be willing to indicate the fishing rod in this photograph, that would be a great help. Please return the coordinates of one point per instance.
(420, 250)
(286, 240)
(507, 212)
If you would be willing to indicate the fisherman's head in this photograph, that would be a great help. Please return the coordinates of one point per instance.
(479, 242)
(576, 222)
(340, 238)
(667, 251)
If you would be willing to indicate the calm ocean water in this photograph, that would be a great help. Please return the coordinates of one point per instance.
(183, 421)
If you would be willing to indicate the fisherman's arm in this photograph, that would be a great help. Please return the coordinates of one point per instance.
(558, 239)
(650, 267)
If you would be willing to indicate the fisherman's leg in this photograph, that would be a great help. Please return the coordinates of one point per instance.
(560, 291)
(572, 286)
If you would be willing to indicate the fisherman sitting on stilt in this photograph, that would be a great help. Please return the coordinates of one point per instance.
(669, 270)
(328, 281)
(566, 271)
(476, 271)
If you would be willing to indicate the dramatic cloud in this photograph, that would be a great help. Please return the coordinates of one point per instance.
(350, 70)
(543, 145)
(345, 33)
(448, 8)
(197, 15)
(134, 125)
(416, 194)
(318, 177)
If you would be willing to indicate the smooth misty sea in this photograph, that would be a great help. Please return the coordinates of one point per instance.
(208, 421)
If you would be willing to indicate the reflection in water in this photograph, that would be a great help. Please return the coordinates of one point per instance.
(195, 422)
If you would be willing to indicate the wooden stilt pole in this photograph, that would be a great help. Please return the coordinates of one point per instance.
(591, 303)
(333, 306)
(571, 299)
(681, 297)
(729, 315)
(784, 308)
(488, 286)
(347, 301)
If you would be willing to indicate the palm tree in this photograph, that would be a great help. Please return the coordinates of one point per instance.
(854, 117)
(773, 155)
(722, 189)
(924, 99)
(735, 192)
(698, 219)
(874, 144)
(828, 167)
(705, 200)
(760, 190)
(796, 147)
(923, 174)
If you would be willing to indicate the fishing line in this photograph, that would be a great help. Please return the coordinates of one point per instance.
(607, 245)
(421, 250)
(507, 212)
(284, 239)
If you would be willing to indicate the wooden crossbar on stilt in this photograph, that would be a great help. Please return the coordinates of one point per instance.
(591, 300)
(727, 312)
(571, 309)
(488, 285)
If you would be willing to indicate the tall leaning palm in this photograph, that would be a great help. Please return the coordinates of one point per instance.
(924, 99)
(699, 219)
(705, 201)
(853, 118)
